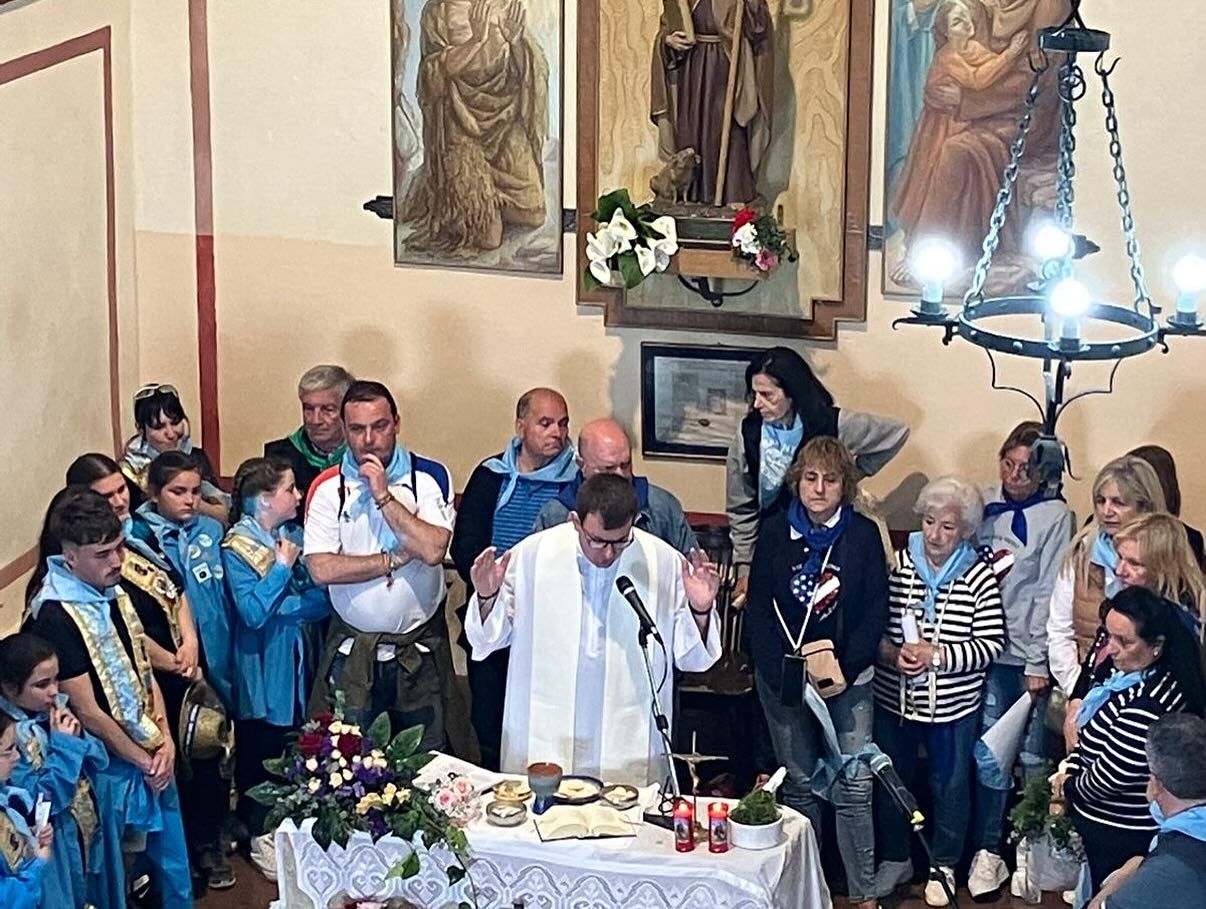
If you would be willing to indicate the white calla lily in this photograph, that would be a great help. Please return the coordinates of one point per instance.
(622, 229)
(602, 246)
(601, 270)
(666, 226)
(646, 259)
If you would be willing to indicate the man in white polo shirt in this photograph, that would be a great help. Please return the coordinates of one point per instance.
(377, 528)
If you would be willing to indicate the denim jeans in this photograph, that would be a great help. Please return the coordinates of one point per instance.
(1004, 686)
(798, 743)
(901, 740)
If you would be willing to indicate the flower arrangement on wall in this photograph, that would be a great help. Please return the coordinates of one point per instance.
(760, 240)
(630, 244)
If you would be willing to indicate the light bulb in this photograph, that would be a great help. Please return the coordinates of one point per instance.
(1050, 241)
(1189, 274)
(934, 261)
(1070, 299)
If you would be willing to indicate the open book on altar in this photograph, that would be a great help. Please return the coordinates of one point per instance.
(586, 822)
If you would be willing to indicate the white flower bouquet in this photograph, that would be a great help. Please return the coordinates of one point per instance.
(630, 244)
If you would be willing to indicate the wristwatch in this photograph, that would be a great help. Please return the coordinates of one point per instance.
(936, 659)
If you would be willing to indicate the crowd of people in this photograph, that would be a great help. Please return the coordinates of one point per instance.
(175, 634)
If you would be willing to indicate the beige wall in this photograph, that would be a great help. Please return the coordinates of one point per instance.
(300, 102)
(54, 299)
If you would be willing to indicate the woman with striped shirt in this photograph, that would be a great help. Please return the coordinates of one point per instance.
(945, 627)
(1155, 670)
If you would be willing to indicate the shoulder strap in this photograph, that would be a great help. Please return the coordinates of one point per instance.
(15, 849)
(152, 580)
(253, 552)
(138, 478)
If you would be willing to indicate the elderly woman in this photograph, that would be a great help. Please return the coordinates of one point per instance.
(789, 406)
(1155, 669)
(1125, 488)
(163, 426)
(1027, 532)
(820, 582)
(945, 627)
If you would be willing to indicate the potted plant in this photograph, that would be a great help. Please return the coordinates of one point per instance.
(757, 821)
(342, 782)
(760, 240)
(630, 244)
(1049, 852)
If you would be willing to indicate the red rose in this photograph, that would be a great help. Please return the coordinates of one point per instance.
(324, 719)
(348, 744)
(309, 744)
(744, 217)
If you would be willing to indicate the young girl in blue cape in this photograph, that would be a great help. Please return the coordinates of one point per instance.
(275, 648)
(24, 854)
(57, 761)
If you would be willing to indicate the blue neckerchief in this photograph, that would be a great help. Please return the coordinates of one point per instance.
(169, 532)
(1100, 693)
(251, 528)
(956, 564)
(777, 451)
(140, 453)
(29, 726)
(60, 584)
(1191, 822)
(817, 537)
(561, 469)
(1106, 556)
(361, 503)
(1018, 524)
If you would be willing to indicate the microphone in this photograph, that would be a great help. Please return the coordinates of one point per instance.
(881, 766)
(628, 591)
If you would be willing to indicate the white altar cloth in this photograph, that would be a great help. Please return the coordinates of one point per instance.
(512, 867)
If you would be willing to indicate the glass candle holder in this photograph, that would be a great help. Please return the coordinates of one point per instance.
(718, 827)
(684, 826)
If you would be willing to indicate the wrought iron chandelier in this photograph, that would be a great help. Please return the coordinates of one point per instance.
(1069, 321)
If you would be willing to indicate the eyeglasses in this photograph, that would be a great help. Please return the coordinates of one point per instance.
(154, 388)
(1010, 466)
(598, 545)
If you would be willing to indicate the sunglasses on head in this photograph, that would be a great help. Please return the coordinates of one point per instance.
(154, 388)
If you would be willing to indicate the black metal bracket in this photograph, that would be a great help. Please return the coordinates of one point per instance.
(702, 286)
(950, 326)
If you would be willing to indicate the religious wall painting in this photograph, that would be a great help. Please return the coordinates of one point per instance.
(958, 74)
(476, 128)
(707, 107)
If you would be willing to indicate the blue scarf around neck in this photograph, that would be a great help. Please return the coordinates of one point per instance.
(1100, 693)
(957, 563)
(778, 450)
(1018, 507)
(1105, 555)
(561, 469)
(817, 537)
(360, 501)
(1191, 822)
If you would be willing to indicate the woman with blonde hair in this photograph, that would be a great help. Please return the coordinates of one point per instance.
(1124, 489)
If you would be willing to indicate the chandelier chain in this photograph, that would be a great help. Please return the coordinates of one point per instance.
(1072, 87)
(975, 293)
(1138, 280)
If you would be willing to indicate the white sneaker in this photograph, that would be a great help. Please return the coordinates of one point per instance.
(263, 855)
(1069, 896)
(934, 894)
(988, 873)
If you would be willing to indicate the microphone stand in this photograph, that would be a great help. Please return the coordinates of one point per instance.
(659, 718)
(917, 823)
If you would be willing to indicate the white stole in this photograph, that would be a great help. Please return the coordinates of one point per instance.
(539, 716)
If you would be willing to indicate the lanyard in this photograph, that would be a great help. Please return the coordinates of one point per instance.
(812, 597)
(906, 690)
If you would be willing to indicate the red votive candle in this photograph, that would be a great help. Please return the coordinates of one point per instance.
(684, 826)
(718, 827)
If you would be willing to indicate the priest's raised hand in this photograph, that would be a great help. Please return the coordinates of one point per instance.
(700, 581)
(486, 576)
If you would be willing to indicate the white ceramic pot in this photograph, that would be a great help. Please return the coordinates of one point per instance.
(760, 836)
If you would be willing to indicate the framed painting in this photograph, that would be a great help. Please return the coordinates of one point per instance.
(692, 399)
(476, 126)
(774, 115)
(958, 74)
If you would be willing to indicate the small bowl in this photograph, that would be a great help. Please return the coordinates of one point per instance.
(756, 836)
(621, 796)
(506, 813)
(512, 791)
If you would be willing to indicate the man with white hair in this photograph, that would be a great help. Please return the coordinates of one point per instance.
(318, 443)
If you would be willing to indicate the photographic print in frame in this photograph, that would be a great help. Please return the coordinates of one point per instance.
(476, 121)
(958, 74)
(692, 399)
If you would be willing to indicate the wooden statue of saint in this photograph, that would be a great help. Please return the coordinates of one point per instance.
(711, 92)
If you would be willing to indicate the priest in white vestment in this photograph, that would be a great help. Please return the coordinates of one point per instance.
(577, 692)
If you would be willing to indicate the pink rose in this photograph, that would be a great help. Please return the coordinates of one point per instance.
(445, 801)
(462, 787)
(766, 260)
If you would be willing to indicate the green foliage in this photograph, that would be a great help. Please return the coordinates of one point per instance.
(756, 809)
(1031, 817)
(379, 731)
(405, 869)
(266, 793)
(276, 766)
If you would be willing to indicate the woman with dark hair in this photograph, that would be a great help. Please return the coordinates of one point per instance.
(1165, 467)
(274, 599)
(1155, 669)
(57, 760)
(163, 426)
(788, 406)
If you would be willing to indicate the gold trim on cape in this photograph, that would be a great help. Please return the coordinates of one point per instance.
(253, 552)
(154, 581)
